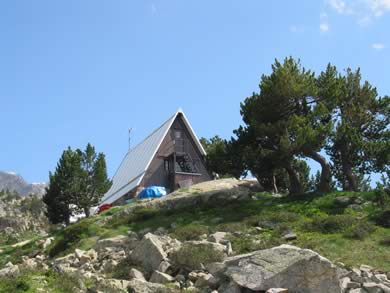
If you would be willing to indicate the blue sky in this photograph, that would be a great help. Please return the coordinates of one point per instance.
(73, 72)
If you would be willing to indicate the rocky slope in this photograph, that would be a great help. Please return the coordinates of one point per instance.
(20, 216)
(165, 246)
(14, 182)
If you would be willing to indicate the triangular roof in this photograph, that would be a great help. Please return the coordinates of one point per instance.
(137, 160)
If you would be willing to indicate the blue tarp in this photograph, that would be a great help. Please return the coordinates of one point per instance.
(152, 192)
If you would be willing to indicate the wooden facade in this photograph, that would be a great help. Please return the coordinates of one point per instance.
(178, 162)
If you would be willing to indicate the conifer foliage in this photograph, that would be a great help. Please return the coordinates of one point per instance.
(78, 183)
(336, 119)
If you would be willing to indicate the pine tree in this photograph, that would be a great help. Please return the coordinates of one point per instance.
(359, 142)
(93, 178)
(287, 119)
(78, 183)
(63, 184)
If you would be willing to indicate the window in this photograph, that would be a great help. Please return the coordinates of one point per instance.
(178, 134)
(166, 165)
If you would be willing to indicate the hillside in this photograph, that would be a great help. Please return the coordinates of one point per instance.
(13, 182)
(221, 235)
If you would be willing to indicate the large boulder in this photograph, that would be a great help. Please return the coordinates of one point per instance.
(161, 278)
(152, 250)
(285, 266)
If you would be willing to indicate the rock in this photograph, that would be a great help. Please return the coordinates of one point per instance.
(266, 224)
(180, 278)
(118, 241)
(346, 283)
(366, 268)
(229, 248)
(343, 200)
(193, 276)
(109, 266)
(164, 266)
(378, 278)
(206, 280)
(92, 254)
(138, 286)
(29, 263)
(290, 236)
(149, 252)
(47, 242)
(358, 290)
(356, 275)
(10, 270)
(229, 288)
(113, 285)
(355, 207)
(277, 290)
(68, 260)
(376, 288)
(285, 266)
(136, 274)
(218, 237)
(161, 278)
(189, 284)
(79, 253)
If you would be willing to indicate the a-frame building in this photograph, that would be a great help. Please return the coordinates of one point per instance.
(171, 156)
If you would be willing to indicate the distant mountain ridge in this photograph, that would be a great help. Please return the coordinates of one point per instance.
(15, 182)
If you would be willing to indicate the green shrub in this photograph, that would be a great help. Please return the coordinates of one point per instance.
(18, 284)
(330, 224)
(359, 231)
(382, 218)
(192, 256)
(190, 232)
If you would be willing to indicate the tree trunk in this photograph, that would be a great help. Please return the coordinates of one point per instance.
(274, 184)
(295, 184)
(352, 183)
(86, 212)
(326, 174)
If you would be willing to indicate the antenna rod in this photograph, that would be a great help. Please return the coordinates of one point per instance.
(130, 129)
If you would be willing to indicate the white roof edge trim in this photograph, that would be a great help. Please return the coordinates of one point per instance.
(193, 134)
(139, 177)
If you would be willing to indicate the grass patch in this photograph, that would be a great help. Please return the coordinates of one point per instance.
(190, 232)
(330, 224)
(71, 237)
(49, 281)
